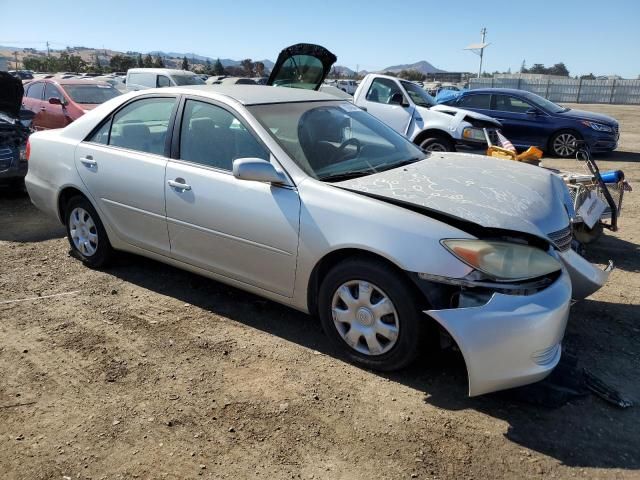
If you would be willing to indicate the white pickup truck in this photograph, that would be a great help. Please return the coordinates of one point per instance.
(409, 110)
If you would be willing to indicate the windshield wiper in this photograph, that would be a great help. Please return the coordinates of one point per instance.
(336, 177)
(391, 166)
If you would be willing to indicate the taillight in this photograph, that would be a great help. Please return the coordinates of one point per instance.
(27, 152)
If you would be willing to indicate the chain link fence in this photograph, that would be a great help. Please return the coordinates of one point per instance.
(619, 92)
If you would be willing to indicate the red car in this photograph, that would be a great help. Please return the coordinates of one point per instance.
(58, 102)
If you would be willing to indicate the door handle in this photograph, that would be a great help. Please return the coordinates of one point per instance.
(363, 108)
(88, 161)
(42, 109)
(179, 184)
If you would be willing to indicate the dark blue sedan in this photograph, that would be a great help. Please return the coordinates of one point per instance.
(531, 120)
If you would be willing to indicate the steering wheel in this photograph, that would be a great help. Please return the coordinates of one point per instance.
(339, 155)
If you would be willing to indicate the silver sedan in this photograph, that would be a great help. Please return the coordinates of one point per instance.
(309, 201)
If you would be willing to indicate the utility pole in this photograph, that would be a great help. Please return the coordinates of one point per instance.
(484, 34)
(48, 50)
(478, 48)
(15, 54)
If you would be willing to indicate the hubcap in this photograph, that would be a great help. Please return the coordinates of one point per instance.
(83, 231)
(434, 147)
(365, 317)
(565, 144)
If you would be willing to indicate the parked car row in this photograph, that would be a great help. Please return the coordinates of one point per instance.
(308, 200)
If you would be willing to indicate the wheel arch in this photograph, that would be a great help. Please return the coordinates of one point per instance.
(66, 194)
(331, 259)
(430, 133)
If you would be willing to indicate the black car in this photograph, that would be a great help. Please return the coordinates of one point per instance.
(14, 131)
(531, 120)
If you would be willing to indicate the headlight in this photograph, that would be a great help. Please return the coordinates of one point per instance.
(503, 260)
(597, 126)
(475, 134)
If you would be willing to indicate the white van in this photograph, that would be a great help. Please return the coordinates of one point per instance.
(142, 78)
(349, 86)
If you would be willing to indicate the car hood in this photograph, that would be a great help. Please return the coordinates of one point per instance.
(11, 91)
(591, 116)
(485, 191)
(466, 115)
(303, 65)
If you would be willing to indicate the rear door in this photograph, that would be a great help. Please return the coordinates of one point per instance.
(303, 65)
(32, 100)
(388, 102)
(123, 166)
(244, 230)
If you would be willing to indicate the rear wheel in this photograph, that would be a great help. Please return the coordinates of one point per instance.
(437, 143)
(564, 144)
(369, 311)
(86, 234)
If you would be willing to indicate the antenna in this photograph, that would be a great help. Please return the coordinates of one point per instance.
(478, 48)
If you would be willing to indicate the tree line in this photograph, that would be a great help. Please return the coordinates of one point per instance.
(66, 62)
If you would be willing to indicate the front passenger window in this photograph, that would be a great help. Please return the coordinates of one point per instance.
(383, 90)
(163, 81)
(214, 137)
(143, 125)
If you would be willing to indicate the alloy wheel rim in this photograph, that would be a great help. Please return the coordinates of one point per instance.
(83, 231)
(565, 144)
(365, 317)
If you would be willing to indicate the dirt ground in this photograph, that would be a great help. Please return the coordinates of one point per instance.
(144, 371)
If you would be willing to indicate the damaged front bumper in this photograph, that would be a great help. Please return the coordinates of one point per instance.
(512, 340)
(586, 278)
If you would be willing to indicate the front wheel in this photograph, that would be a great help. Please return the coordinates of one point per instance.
(437, 143)
(369, 311)
(86, 234)
(564, 144)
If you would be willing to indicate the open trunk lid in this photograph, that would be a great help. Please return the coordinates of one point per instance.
(303, 65)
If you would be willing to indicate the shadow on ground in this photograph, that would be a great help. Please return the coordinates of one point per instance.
(569, 433)
(34, 226)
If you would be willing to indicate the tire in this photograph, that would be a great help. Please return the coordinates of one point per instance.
(560, 143)
(86, 234)
(437, 143)
(405, 322)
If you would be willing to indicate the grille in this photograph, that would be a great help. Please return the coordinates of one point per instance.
(562, 238)
(6, 158)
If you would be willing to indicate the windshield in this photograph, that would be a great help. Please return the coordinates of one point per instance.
(333, 141)
(187, 80)
(544, 104)
(91, 94)
(418, 95)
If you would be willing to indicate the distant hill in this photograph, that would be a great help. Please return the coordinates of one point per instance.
(422, 66)
(202, 59)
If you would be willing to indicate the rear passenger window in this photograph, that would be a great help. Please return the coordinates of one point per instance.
(480, 101)
(142, 125)
(214, 137)
(35, 90)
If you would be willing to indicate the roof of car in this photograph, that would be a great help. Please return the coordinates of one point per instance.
(253, 94)
(70, 81)
(511, 91)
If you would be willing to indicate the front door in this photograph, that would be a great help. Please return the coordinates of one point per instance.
(244, 230)
(519, 124)
(386, 101)
(55, 116)
(123, 166)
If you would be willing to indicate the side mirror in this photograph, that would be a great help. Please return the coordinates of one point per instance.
(56, 101)
(533, 111)
(257, 170)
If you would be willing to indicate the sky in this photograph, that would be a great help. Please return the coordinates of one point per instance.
(588, 35)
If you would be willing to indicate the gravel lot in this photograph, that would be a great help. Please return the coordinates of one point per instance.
(145, 371)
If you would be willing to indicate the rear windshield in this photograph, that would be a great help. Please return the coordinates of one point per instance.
(91, 94)
(187, 80)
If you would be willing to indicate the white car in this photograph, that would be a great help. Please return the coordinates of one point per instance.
(143, 78)
(412, 112)
(307, 200)
(348, 86)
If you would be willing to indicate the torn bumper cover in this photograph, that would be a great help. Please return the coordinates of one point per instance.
(512, 340)
(586, 278)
